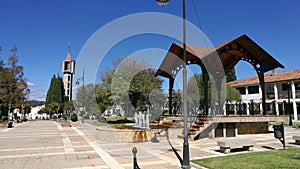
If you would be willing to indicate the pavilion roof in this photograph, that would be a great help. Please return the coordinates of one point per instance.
(230, 53)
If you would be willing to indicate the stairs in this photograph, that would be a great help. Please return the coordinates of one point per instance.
(198, 127)
(170, 121)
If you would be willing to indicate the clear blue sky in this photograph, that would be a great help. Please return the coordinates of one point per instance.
(42, 29)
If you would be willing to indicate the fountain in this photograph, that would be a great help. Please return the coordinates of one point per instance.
(141, 121)
(139, 131)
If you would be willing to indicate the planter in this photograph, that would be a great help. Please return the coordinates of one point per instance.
(65, 124)
(6, 124)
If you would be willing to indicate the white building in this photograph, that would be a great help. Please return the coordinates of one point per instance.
(281, 88)
(34, 113)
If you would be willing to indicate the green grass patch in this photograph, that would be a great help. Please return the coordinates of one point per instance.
(255, 160)
(286, 123)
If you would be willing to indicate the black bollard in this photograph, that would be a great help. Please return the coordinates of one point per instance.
(135, 165)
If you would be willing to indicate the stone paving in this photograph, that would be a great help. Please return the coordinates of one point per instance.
(46, 144)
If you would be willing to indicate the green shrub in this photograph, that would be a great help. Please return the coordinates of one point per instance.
(74, 117)
(65, 117)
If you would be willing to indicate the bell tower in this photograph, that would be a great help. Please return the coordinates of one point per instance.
(68, 69)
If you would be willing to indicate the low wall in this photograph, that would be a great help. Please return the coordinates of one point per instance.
(110, 134)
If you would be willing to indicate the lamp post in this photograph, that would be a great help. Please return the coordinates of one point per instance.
(77, 83)
(186, 157)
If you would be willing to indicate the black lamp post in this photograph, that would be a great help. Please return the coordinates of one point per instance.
(186, 156)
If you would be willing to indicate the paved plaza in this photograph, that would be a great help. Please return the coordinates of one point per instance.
(46, 144)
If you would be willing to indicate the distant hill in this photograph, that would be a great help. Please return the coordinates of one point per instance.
(35, 102)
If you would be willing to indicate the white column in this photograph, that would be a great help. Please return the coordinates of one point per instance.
(248, 111)
(235, 111)
(224, 109)
(276, 98)
(260, 108)
(294, 101)
(260, 104)
(224, 130)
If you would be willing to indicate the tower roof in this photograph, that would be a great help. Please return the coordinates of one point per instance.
(69, 58)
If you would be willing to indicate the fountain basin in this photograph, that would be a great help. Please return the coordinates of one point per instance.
(132, 135)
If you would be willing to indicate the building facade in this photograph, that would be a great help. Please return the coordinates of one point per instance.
(282, 93)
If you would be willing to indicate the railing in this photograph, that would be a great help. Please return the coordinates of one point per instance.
(270, 96)
(297, 94)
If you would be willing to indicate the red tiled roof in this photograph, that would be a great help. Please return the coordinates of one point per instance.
(269, 78)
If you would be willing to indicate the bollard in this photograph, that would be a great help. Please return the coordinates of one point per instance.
(135, 164)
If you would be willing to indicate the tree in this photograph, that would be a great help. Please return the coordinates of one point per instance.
(2, 88)
(232, 93)
(86, 98)
(13, 85)
(129, 85)
(68, 107)
(53, 107)
(196, 92)
(103, 97)
(140, 88)
(231, 75)
(176, 99)
(56, 92)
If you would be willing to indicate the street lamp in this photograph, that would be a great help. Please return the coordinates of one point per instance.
(77, 83)
(186, 156)
(162, 2)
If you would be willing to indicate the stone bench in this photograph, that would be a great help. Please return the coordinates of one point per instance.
(297, 139)
(226, 145)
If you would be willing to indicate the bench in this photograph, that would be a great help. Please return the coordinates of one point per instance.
(226, 145)
(297, 139)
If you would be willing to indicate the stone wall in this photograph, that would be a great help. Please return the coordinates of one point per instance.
(252, 128)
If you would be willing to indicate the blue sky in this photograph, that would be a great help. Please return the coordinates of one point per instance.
(41, 30)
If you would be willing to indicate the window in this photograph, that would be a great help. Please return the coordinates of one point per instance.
(253, 89)
(297, 85)
(67, 66)
(285, 87)
(241, 89)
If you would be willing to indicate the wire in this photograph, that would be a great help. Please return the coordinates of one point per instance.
(198, 20)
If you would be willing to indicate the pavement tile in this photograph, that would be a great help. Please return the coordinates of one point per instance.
(39, 144)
